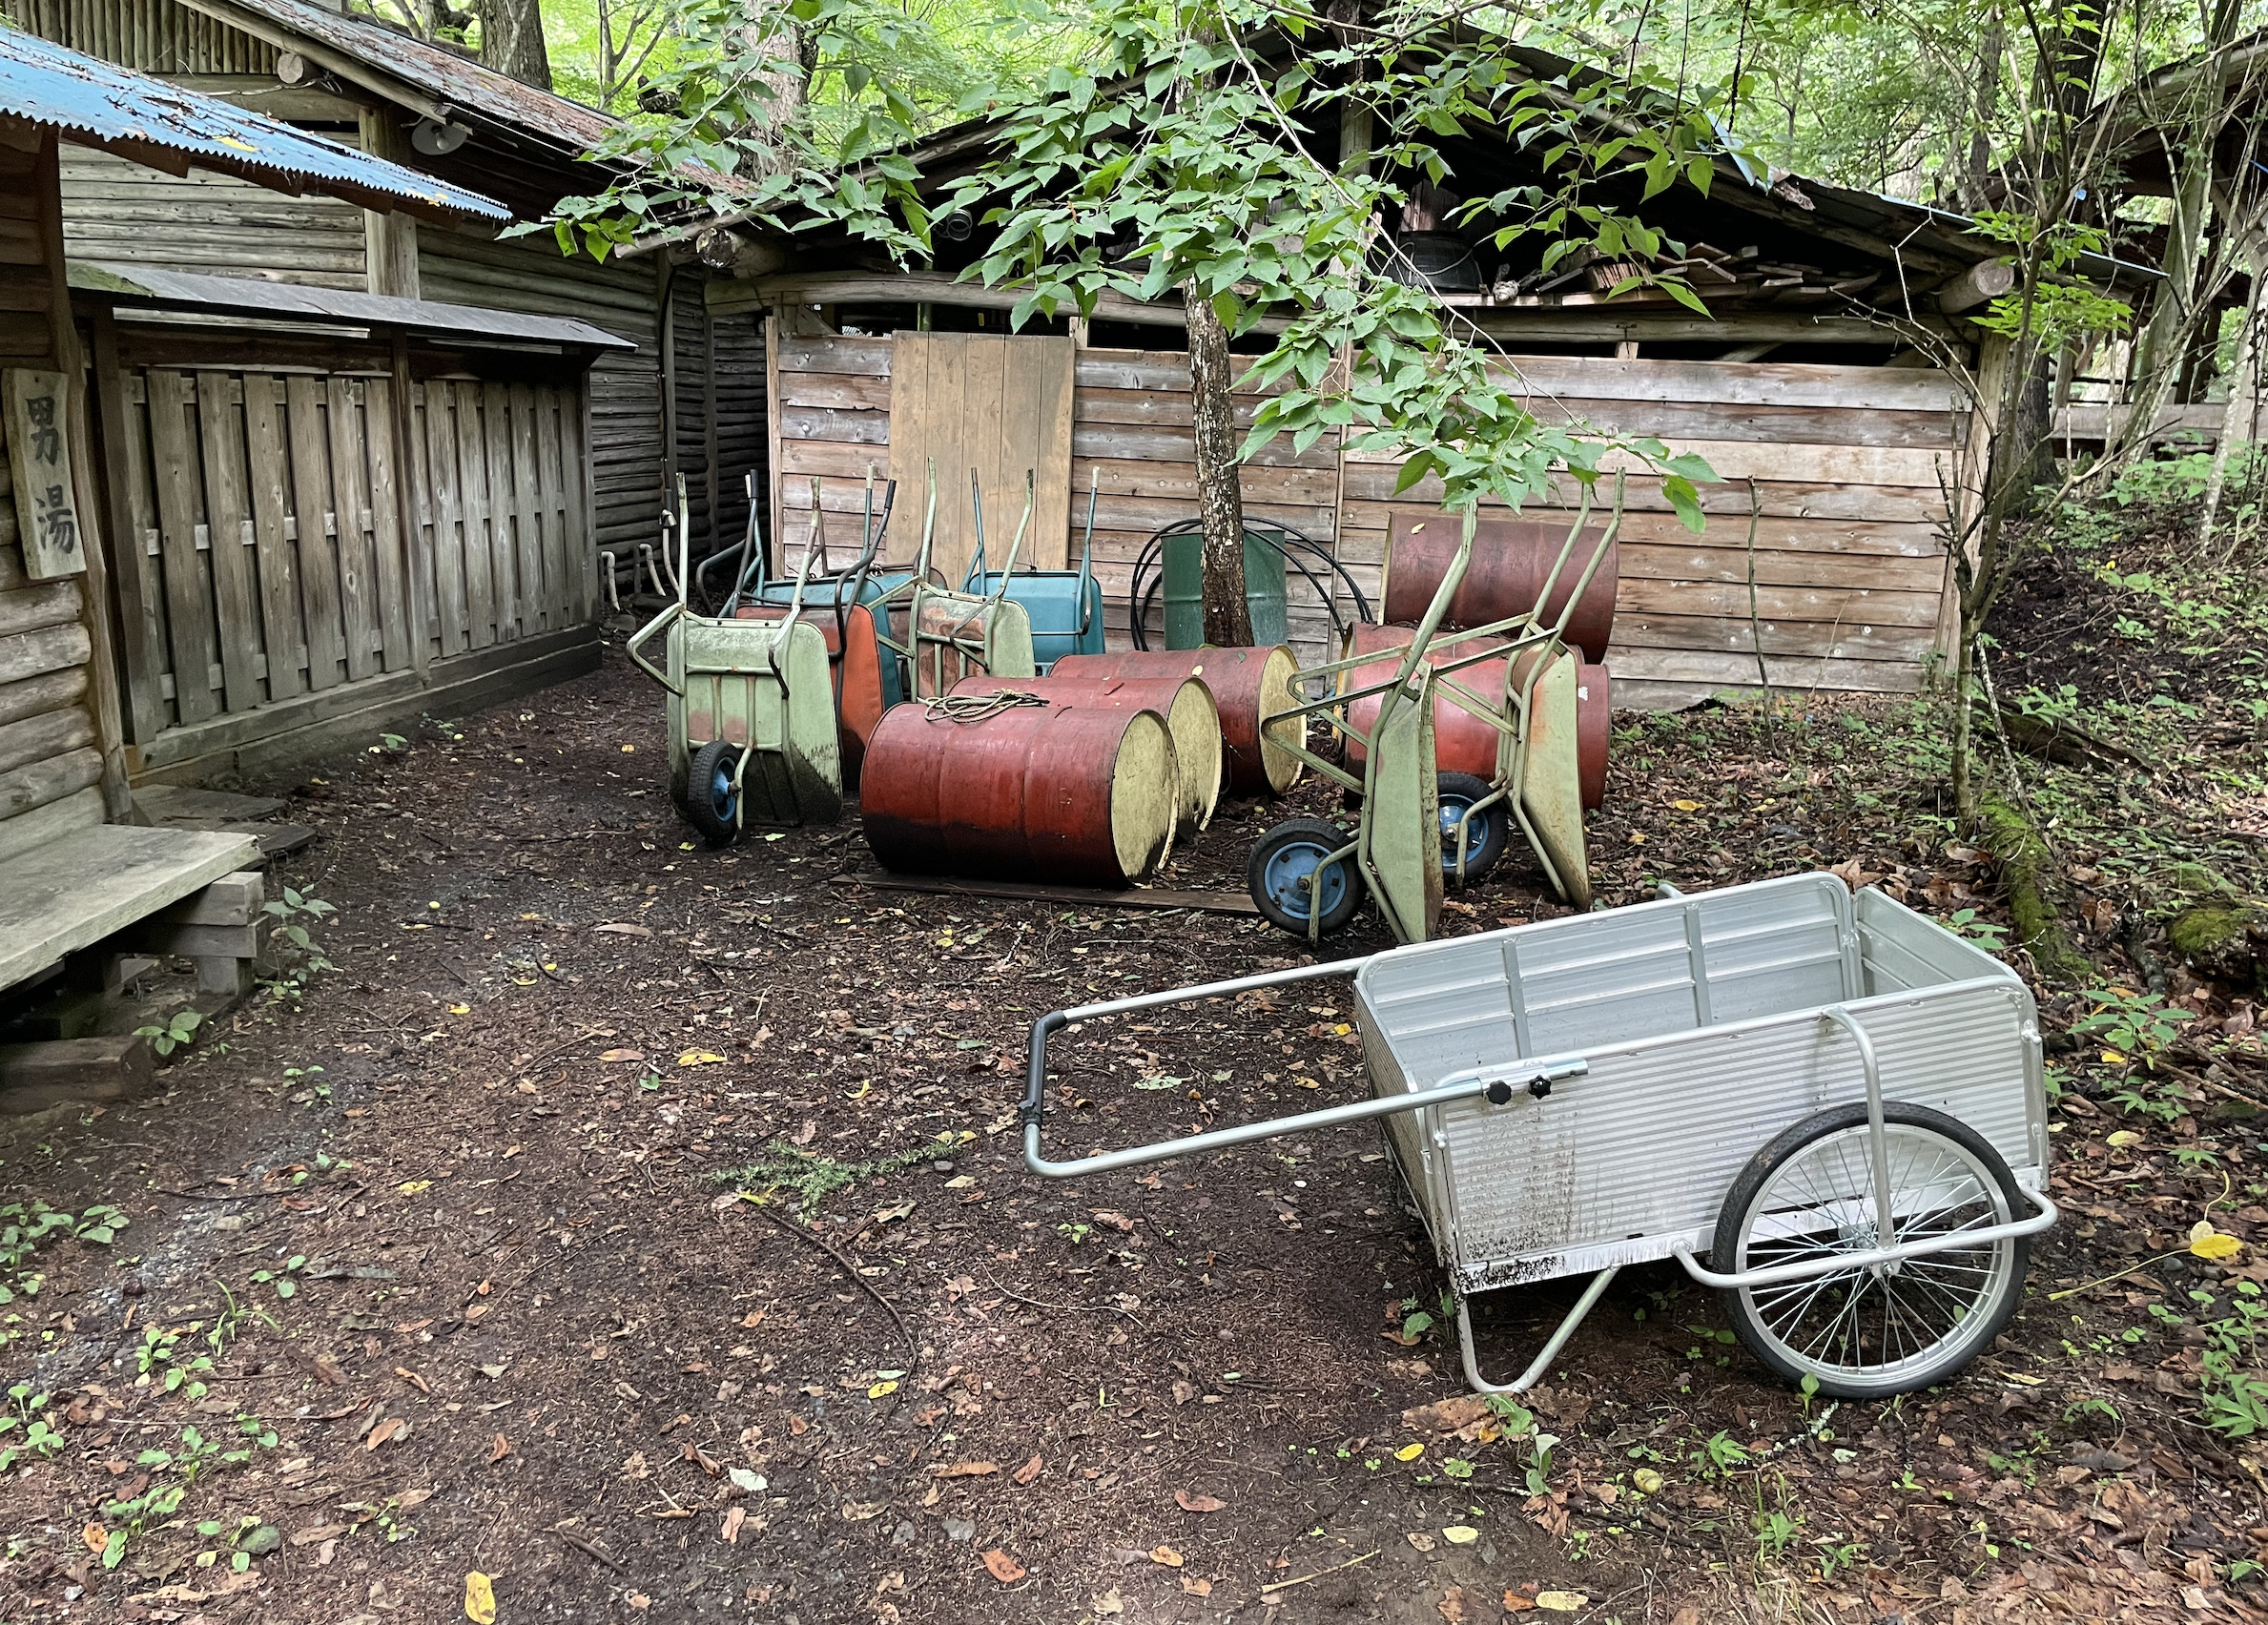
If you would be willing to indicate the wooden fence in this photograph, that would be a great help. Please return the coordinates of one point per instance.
(282, 547)
(1849, 466)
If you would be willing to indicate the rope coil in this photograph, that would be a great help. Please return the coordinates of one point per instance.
(977, 708)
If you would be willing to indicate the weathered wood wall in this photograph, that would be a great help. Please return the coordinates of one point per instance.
(273, 554)
(1847, 462)
(51, 757)
(151, 36)
(120, 211)
(627, 450)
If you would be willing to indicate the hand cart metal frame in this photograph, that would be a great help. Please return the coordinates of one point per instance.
(1654, 1082)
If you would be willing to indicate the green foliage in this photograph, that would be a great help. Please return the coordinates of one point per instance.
(178, 1032)
(812, 1178)
(40, 1442)
(26, 1228)
(2140, 1026)
(171, 1476)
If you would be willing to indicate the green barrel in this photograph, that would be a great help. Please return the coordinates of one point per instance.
(1264, 588)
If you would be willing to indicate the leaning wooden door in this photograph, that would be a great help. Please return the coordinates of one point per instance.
(995, 404)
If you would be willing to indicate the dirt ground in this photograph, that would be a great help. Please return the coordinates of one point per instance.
(460, 1230)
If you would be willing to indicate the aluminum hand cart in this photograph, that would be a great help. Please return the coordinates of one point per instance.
(1833, 1102)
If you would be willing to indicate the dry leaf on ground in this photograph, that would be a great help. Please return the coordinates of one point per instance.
(1001, 1567)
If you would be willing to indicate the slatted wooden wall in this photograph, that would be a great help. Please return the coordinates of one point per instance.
(1130, 433)
(50, 762)
(120, 211)
(269, 542)
(1847, 462)
(1851, 559)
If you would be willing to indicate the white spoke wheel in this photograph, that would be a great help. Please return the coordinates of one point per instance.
(1868, 1333)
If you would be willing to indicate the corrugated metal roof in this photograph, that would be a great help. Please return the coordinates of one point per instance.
(97, 104)
(239, 295)
(434, 70)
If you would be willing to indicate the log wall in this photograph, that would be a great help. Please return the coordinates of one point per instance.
(120, 213)
(51, 755)
(1849, 464)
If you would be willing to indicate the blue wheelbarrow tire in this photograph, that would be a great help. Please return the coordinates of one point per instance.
(711, 803)
(1294, 850)
(1486, 836)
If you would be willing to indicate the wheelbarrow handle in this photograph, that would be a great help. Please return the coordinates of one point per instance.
(1496, 1084)
(638, 639)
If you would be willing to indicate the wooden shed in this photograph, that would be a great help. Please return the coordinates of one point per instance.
(1803, 386)
(679, 395)
(87, 876)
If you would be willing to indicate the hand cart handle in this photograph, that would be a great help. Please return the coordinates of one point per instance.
(1498, 1083)
(1837, 1262)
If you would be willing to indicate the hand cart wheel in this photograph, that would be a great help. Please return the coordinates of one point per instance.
(1487, 833)
(1872, 1330)
(713, 797)
(1290, 874)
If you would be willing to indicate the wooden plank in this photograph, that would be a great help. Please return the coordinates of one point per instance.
(582, 493)
(1746, 459)
(1808, 600)
(228, 509)
(560, 577)
(1016, 453)
(141, 646)
(1776, 383)
(135, 553)
(974, 446)
(396, 611)
(267, 469)
(1783, 499)
(1826, 639)
(50, 648)
(74, 892)
(1053, 404)
(1739, 670)
(78, 810)
(353, 508)
(36, 696)
(452, 617)
(838, 392)
(832, 353)
(527, 512)
(311, 515)
(158, 935)
(473, 500)
(496, 436)
(49, 603)
(35, 783)
(37, 1076)
(52, 733)
(188, 601)
(1017, 891)
(1685, 419)
(424, 567)
(167, 802)
(234, 899)
(1785, 567)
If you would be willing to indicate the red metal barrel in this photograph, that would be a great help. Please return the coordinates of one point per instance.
(1086, 795)
(1191, 719)
(1463, 743)
(1246, 684)
(1511, 558)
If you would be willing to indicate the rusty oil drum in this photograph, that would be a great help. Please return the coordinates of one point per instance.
(1248, 685)
(1511, 558)
(1080, 794)
(1191, 719)
(1462, 742)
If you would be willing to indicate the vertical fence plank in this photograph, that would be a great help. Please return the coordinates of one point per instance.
(311, 513)
(559, 587)
(286, 634)
(535, 582)
(189, 606)
(350, 498)
(142, 654)
(496, 431)
(142, 505)
(582, 496)
(472, 475)
(406, 453)
(395, 618)
(448, 539)
(220, 434)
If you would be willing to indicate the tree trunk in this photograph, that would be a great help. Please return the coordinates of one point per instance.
(512, 41)
(1220, 496)
(1974, 189)
(770, 34)
(2240, 422)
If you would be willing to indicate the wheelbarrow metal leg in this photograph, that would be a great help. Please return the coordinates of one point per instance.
(1542, 1363)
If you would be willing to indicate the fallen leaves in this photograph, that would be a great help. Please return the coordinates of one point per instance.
(1410, 1453)
(622, 929)
(2208, 1242)
(1166, 1556)
(502, 1448)
(1190, 1503)
(963, 1469)
(95, 1536)
(700, 1058)
(622, 1054)
(412, 1379)
(1460, 1534)
(734, 1516)
(1563, 1601)
(1028, 1471)
(480, 1598)
(1003, 1568)
(1461, 1605)
(392, 1427)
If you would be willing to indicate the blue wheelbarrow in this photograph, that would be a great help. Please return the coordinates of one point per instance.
(1065, 607)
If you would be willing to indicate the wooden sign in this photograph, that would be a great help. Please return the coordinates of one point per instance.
(38, 417)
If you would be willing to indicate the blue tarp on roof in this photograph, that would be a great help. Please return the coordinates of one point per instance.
(97, 104)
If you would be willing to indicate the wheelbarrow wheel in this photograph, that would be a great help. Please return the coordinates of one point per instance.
(712, 802)
(1486, 835)
(1868, 1334)
(1288, 876)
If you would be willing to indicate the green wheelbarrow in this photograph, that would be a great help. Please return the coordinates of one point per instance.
(751, 714)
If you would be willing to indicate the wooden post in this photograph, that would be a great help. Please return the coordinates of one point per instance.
(389, 240)
(775, 329)
(145, 702)
(417, 550)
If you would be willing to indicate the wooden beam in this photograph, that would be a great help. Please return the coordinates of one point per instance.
(34, 1077)
(1987, 279)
